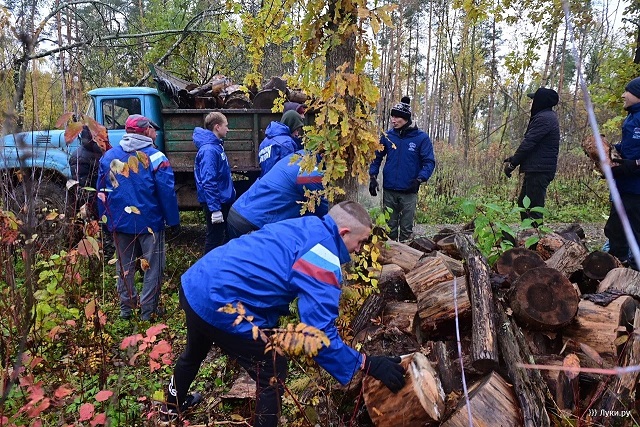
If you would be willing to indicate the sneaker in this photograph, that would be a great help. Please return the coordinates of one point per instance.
(168, 413)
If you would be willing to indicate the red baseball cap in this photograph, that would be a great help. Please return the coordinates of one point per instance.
(137, 123)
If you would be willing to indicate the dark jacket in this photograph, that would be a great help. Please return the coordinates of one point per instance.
(84, 162)
(214, 183)
(629, 148)
(409, 157)
(538, 151)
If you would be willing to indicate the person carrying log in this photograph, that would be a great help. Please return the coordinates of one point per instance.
(280, 141)
(626, 172)
(304, 264)
(410, 162)
(537, 155)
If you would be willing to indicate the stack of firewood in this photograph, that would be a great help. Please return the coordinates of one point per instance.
(222, 92)
(557, 305)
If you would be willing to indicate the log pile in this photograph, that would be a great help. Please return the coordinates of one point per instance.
(532, 307)
(221, 92)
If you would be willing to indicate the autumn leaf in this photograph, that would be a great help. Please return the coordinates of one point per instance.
(103, 395)
(132, 209)
(64, 119)
(100, 419)
(72, 131)
(51, 216)
(159, 349)
(86, 412)
(130, 341)
(90, 309)
(144, 264)
(571, 361)
(63, 391)
(133, 164)
(155, 329)
(144, 159)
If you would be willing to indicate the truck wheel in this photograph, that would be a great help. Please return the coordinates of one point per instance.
(48, 197)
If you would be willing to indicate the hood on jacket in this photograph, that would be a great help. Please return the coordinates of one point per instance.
(292, 120)
(134, 141)
(543, 99)
(408, 127)
(277, 129)
(203, 136)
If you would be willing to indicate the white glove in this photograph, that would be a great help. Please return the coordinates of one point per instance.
(216, 217)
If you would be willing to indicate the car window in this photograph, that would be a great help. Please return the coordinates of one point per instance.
(116, 111)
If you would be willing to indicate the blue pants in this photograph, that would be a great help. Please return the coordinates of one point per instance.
(149, 249)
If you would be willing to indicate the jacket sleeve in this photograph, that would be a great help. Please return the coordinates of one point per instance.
(374, 169)
(427, 159)
(536, 131)
(165, 188)
(209, 173)
(318, 289)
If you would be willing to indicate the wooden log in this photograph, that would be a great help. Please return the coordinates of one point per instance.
(448, 246)
(400, 254)
(423, 244)
(514, 262)
(276, 83)
(574, 233)
(265, 98)
(624, 280)
(435, 316)
(427, 273)
(455, 266)
(400, 314)
(597, 264)
(621, 393)
(444, 355)
(237, 99)
(549, 244)
(385, 340)
(493, 403)
(528, 385)
(569, 258)
(544, 299)
(598, 327)
(297, 95)
(420, 402)
(589, 146)
(485, 345)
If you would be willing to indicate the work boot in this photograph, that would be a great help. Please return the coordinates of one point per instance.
(169, 413)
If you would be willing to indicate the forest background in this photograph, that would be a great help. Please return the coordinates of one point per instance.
(466, 64)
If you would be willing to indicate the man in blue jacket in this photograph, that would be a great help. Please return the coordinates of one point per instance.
(410, 162)
(276, 196)
(265, 271)
(280, 141)
(537, 155)
(627, 176)
(214, 183)
(136, 194)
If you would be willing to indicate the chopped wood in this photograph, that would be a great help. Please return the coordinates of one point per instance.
(625, 280)
(426, 273)
(528, 384)
(549, 244)
(493, 403)
(569, 258)
(574, 233)
(296, 95)
(485, 345)
(445, 356)
(543, 298)
(423, 244)
(590, 147)
(448, 245)
(597, 264)
(514, 262)
(455, 266)
(420, 402)
(385, 340)
(400, 314)
(400, 254)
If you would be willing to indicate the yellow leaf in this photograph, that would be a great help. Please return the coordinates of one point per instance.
(144, 264)
(51, 216)
(132, 209)
(571, 361)
(144, 159)
(255, 332)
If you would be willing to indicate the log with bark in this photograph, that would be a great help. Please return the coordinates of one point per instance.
(569, 258)
(400, 254)
(516, 261)
(625, 280)
(590, 147)
(485, 345)
(423, 244)
(492, 403)
(544, 299)
(420, 402)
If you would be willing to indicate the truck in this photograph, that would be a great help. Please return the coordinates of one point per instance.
(45, 154)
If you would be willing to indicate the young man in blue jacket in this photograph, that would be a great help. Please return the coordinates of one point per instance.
(265, 271)
(280, 141)
(410, 162)
(138, 202)
(627, 176)
(214, 183)
(276, 196)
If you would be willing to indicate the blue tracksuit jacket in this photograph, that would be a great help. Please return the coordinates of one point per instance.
(277, 144)
(212, 172)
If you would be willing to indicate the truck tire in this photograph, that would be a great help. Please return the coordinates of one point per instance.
(54, 233)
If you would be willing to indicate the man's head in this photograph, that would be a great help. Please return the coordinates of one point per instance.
(631, 95)
(293, 121)
(141, 125)
(217, 123)
(354, 224)
(543, 98)
(401, 113)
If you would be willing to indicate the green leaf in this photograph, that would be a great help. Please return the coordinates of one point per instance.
(468, 207)
(526, 202)
(531, 241)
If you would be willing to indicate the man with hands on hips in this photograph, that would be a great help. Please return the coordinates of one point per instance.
(214, 183)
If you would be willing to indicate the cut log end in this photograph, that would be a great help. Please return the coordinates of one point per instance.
(515, 262)
(597, 264)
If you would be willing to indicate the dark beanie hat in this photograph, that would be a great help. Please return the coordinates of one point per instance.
(292, 120)
(402, 108)
(633, 87)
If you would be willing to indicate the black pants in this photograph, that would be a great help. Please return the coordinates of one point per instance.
(237, 225)
(248, 353)
(534, 186)
(619, 246)
(216, 233)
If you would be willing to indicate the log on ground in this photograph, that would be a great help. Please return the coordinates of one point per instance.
(400, 254)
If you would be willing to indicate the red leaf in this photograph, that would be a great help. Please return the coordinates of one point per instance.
(62, 121)
(100, 419)
(103, 395)
(86, 411)
(155, 329)
(72, 131)
(159, 349)
(62, 391)
(130, 341)
(35, 411)
(154, 365)
(90, 309)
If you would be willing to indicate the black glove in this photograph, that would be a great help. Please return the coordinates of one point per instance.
(415, 185)
(373, 186)
(508, 169)
(627, 167)
(386, 369)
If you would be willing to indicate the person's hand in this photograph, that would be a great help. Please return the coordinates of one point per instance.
(508, 168)
(216, 217)
(373, 186)
(415, 185)
(386, 369)
(624, 167)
